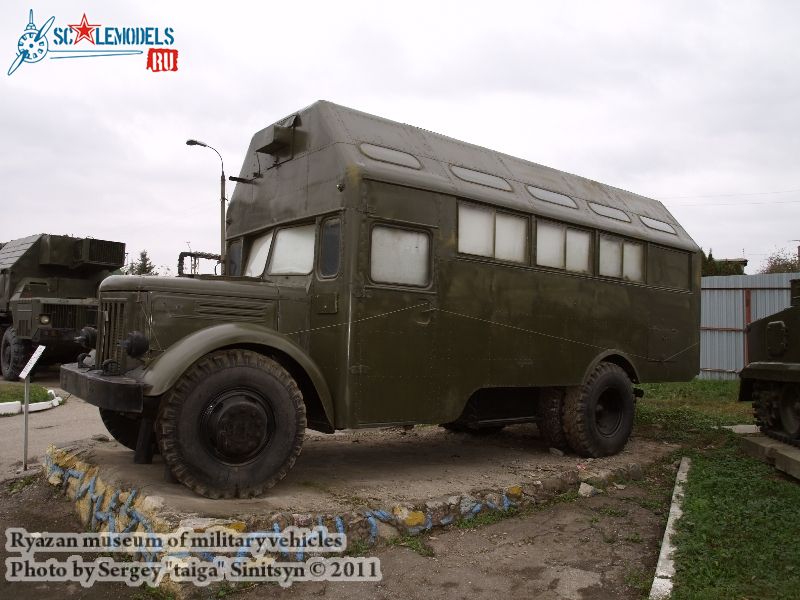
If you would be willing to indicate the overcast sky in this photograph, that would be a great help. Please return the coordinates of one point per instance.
(694, 103)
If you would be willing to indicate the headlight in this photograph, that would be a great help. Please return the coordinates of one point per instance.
(136, 344)
(44, 319)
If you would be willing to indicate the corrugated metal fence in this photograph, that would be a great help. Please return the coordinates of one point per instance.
(728, 305)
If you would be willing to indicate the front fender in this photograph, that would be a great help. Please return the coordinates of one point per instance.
(165, 370)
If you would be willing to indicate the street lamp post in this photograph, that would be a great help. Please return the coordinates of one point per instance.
(221, 201)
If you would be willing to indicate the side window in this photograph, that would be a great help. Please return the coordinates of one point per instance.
(550, 244)
(234, 259)
(400, 256)
(579, 251)
(294, 251)
(633, 261)
(621, 258)
(610, 256)
(257, 255)
(329, 248)
(562, 247)
(486, 232)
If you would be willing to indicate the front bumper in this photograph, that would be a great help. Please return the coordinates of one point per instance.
(113, 392)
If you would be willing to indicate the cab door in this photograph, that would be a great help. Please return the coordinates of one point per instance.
(393, 370)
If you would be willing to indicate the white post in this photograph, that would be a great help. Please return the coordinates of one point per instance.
(26, 375)
(25, 410)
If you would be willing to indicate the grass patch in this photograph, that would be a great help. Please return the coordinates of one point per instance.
(12, 391)
(357, 548)
(487, 518)
(415, 543)
(20, 484)
(738, 535)
(678, 411)
(640, 580)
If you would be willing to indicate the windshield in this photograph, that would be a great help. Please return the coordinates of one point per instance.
(294, 251)
(257, 257)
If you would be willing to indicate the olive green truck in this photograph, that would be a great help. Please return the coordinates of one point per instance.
(380, 274)
(48, 294)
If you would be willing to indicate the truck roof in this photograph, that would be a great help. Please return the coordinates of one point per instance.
(394, 152)
(62, 251)
(11, 251)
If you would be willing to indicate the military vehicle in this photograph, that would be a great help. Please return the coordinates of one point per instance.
(48, 294)
(380, 274)
(771, 380)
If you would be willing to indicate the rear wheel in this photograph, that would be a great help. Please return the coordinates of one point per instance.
(551, 418)
(598, 415)
(233, 425)
(13, 354)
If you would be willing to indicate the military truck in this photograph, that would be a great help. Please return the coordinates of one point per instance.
(379, 274)
(48, 294)
(771, 380)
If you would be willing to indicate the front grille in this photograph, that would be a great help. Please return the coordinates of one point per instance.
(112, 329)
(70, 316)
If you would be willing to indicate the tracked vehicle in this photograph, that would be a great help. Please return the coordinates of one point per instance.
(771, 381)
(380, 274)
(48, 294)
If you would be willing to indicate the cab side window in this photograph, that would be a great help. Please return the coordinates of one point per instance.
(330, 248)
(400, 256)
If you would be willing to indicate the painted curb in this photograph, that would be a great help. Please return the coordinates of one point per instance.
(10, 408)
(15, 408)
(105, 507)
(665, 569)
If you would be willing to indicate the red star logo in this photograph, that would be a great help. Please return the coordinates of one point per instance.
(84, 30)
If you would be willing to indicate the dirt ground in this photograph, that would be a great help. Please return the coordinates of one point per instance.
(600, 547)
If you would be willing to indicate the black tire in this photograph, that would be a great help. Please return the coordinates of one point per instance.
(13, 355)
(122, 427)
(598, 415)
(233, 425)
(551, 418)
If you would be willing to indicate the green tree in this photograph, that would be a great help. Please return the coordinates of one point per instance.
(143, 266)
(711, 266)
(781, 261)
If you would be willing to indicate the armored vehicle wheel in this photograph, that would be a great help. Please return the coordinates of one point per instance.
(13, 354)
(233, 425)
(551, 417)
(123, 427)
(598, 415)
(789, 410)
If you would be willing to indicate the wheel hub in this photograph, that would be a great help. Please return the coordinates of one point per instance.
(237, 426)
(608, 412)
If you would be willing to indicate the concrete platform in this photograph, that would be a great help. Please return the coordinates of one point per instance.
(368, 484)
(784, 457)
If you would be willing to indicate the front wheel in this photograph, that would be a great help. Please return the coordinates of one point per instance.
(598, 415)
(13, 354)
(233, 425)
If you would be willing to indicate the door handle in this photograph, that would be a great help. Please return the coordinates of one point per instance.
(426, 313)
